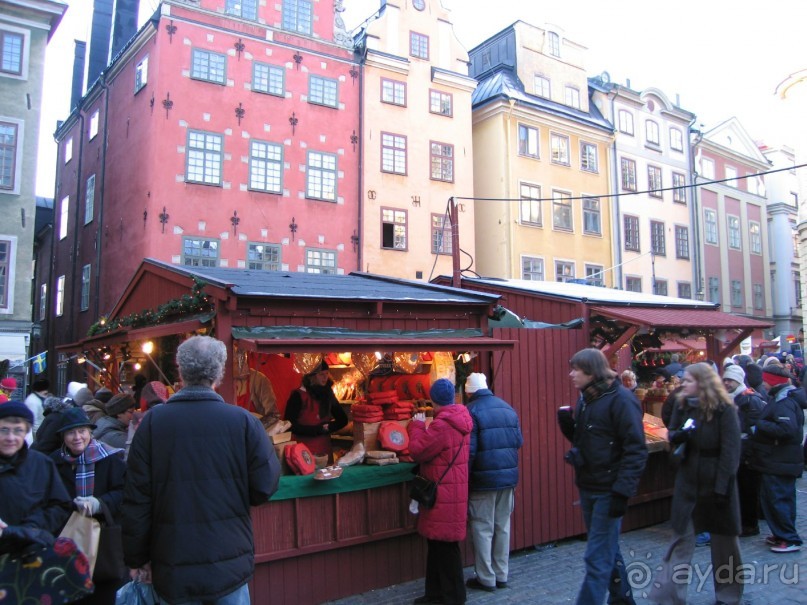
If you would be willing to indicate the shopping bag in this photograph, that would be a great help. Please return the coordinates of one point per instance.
(85, 532)
(136, 593)
(38, 574)
(109, 565)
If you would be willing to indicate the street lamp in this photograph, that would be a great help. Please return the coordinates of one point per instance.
(147, 348)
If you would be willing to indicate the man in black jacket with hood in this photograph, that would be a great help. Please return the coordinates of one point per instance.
(195, 467)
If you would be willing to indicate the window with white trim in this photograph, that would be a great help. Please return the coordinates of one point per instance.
(43, 301)
(441, 156)
(246, 9)
(527, 141)
(588, 157)
(208, 66)
(59, 306)
(298, 16)
(633, 284)
(564, 270)
(734, 232)
(441, 234)
(441, 103)
(631, 228)
(263, 257)
(12, 45)
(759, 297)
(64, 209)
(320, 261)
(660, 287)
(592, 216)
(755, 237)
(542, 88)
(68, 150)
(560, 149)
(86, 271)
(594, 275)
(572, 96)
(393, 229)
(89, 199)
(93, 128)
(736, 293)
(710, 226)
(265, 166)
(654, 181)
(393, 92)
(553, 41)
(731, 176)
(707, 168)
(141, 74)
(562, 210)
(320, 176)
(205, 154)
(714, 290)
(625, 122)
(323, 91)
(658, 243)
(628, 174)
(269, 79)
(200, 252)
(5, 273)
(8, 155)
(418, 45)
(676, 139)
(684, 289)
(681, 242)
(679, 181)
(530, 206)
(393, 153)
(651, 132)
(532, 268)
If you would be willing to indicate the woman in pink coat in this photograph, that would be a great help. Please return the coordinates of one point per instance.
(443, 526)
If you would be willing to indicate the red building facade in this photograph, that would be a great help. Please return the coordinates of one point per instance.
(224, 134)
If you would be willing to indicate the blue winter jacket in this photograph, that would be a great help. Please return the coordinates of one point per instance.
(495, 441)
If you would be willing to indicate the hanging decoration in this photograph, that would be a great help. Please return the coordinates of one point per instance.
(406, 362)
(304, 363)
(195, 302)
(364, 362)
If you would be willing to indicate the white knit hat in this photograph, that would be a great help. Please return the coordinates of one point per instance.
(474, 382)
(75, 387)
(735, 373)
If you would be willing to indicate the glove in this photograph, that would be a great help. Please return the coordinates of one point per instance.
(566, 419)
(721, 500)
(619, 505)
(19, 537)
(679, 437)
(87, 505)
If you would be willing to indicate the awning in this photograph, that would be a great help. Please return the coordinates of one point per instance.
(508, 319)
(12, 347)
(278, 339)
(678, 318)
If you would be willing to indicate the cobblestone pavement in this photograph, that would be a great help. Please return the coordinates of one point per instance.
(551, 574)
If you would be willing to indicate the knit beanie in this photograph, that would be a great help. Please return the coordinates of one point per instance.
(475, 381)
(774, 375)
(16, 409)
(735, 373)
(82, 396)
(753, 374)
(103, 395)
(119, 404)
(153, 394)
(442, 392)
(75, 387)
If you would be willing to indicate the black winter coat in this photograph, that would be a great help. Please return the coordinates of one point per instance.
(495, 441)
(195, 466)
(109, 477)
(31, 493)
(776, 441)
(609, 438)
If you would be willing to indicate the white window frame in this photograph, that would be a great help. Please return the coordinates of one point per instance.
(592, 211)
(321, 260)
(532, 268)
(64, 216)
(561, 275)
(89, 199)
(710, 231)
(396, 220)
(323, 91)
(707, 168)
(86, 276)
(562, 207)
(571, 96)
(676, 139)
(529, 141)
(68, 150)
(553, 43)
(731, 176)
(59, 307)
(754, 237)
(92, 129)
(43, 301)
(589, 157)
(559, 146)
(543, 86)
(265, 166)
(530, 207)
(625, 122)
(734, 232)
(652, 135)
(257, 253)
(141, 74)
(321, 176)
(204, 163)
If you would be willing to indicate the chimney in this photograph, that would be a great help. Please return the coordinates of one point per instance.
(124, 25)
(78, 73)
(98, 44)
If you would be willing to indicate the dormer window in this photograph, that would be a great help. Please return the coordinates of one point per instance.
(553, 40)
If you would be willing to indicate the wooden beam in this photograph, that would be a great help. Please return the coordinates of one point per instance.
(629, 333)
(731, 345)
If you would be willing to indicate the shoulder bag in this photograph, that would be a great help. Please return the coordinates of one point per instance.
(423, 490)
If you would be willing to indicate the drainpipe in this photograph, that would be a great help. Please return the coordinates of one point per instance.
(616, 223)
(456, 271)
(695, 218)
(360, 230)
(100, 231)
(508, 251)
(75, 251)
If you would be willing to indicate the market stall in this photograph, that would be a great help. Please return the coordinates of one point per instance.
(379, 336)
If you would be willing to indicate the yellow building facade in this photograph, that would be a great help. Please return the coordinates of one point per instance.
(542, 161)
(416, 141)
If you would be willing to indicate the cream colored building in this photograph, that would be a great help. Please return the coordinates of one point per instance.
(416, 141)
(541, 162)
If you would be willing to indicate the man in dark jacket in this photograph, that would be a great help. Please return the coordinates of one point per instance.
(777, 456)
(493, 464)
(609, 456)
(195, 467)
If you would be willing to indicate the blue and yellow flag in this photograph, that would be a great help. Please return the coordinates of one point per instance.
(40, 362)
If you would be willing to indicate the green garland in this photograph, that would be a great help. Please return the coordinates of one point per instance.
(195, 302)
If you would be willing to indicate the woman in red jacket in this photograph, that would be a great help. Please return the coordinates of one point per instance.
(443, 447)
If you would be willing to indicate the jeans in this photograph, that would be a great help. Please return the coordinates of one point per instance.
(605, 568)
(240, 596)
(777, 496)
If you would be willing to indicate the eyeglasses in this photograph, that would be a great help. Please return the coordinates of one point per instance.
(18, 432)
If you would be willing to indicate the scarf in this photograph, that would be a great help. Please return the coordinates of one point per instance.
(595, 389)
(85, 464)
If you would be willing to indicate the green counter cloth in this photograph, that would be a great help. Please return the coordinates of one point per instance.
(353, 479)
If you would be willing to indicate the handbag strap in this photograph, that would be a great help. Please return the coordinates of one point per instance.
(459, 449)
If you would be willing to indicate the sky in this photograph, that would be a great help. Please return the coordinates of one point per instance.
(720, 58)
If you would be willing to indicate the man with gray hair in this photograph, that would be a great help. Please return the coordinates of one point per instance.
(195, 467)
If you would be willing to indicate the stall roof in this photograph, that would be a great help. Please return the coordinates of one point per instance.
(591, 294)
(355, 286)
(676, 318)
